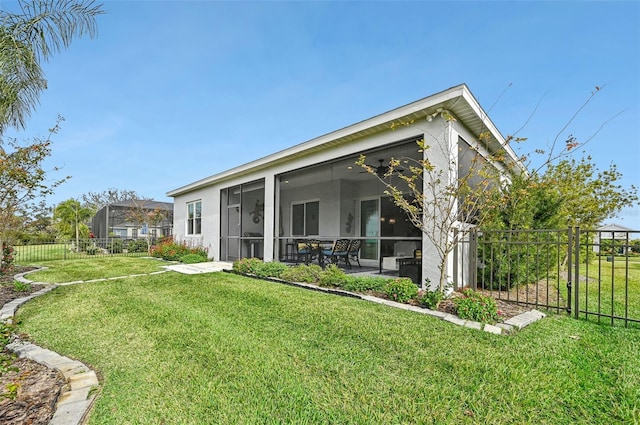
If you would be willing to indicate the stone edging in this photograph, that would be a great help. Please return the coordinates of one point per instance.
(77, 396)
(510, 325)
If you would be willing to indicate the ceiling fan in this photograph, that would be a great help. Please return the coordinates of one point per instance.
(382, 169)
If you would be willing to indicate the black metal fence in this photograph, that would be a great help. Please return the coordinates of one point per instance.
(63, 249)
(592, 274)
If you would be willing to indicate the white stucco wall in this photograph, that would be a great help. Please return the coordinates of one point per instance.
(337, 198)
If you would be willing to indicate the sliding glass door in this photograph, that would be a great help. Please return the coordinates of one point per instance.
(369, 228)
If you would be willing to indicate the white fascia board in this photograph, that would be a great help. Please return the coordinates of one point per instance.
(323, 142)
(486, 121)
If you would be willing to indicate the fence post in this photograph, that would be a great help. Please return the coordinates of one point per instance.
(473, 259)
(576, 286)
(569, 268)
(456, 265)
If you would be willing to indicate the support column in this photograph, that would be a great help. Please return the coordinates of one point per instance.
(269, 216)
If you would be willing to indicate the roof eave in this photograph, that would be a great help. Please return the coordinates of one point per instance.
(379, 123)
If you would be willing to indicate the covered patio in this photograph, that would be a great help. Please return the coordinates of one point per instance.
(321, 205)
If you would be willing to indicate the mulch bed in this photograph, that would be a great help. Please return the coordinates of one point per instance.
(38, 386)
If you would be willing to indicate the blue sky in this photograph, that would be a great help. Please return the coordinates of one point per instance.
(171, 92)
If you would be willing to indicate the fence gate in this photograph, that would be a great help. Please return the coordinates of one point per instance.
(590, 274)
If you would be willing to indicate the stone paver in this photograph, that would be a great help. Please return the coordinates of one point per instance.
(473, 325)
(525, 319)
(492, 329)
(76, 398)
(198, 268)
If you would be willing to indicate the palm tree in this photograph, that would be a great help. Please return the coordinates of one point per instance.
(71, 214)
(40, 29)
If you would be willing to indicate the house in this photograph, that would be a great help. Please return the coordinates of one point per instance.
(316, 190)
(132, 219)
(613, 238)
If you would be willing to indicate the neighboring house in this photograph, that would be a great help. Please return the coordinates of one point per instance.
(315, 189)
(125, 219)
(616, 234)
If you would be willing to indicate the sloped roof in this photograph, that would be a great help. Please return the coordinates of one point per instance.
(614, 228)
(144, 203)
(457, 99)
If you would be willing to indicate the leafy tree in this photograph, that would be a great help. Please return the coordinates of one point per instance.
(589, 196)
(98, 200)
(36, 226)
(41, 29)
(141, 214)
(445, 200)
(70, 216)
(23, 179)
(442, 197)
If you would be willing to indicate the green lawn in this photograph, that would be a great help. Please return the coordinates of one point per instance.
(95, 268)
(610, 285)
(36, 254)
(224, 349)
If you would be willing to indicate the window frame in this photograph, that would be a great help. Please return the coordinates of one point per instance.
(193, 222)
(304, 220)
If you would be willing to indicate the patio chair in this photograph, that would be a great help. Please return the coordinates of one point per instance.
(339, 251)
(307, 250)
(353, 253)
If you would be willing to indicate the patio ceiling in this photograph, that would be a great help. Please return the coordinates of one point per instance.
(346, 168)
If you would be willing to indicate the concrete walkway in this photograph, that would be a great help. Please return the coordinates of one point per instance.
(198, 268)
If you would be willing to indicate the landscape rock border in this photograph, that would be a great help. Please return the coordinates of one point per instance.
(77, 396)
(507, 327)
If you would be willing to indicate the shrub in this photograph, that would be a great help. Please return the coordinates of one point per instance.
(21, 286)
(171, 251)
(138, 245)
(308, 273)
(477, 307)
(365, 283)
(333, 275)
(430, 299)
(115, 246)
(271, 269)
(7, 258)
(193, 258)
(401, 289)
(92, 250)
(247, 265)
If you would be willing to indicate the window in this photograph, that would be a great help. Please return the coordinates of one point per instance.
(305, 219)
(194, 218)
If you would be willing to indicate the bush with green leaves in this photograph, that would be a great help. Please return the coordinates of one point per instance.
(21, 286)
(6, 329)
(115, 246)
(271, 269)
(307, 273)
(247, 265)
(431, 299)
(472, 305)
(401, 289)
(193, 258)
(138, 245)
(365, 283)
(333, 275)
(172, 251)
(92, 250)
(8, 257)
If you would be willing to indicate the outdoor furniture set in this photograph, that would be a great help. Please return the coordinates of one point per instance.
(345, 250)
